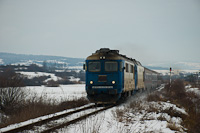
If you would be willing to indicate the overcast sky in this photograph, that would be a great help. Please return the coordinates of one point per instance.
(151, 31)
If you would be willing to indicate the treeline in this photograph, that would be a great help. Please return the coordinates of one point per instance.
(192, 78)
(65, 76)
(30, 68)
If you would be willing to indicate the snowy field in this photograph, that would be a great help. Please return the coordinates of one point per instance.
(31, 75)
(136, 120)
(176, 72)
(61, 93)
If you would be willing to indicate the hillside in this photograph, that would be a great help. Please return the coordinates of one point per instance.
(23, 59)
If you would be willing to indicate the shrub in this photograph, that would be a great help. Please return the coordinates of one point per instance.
(173, 127)
(155, 97)
(11, 92)
(176, 90)
(190, 101)
(36, 107)
(11, 98)
(52, 83)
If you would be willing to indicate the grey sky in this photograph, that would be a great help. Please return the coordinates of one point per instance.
(152, 31)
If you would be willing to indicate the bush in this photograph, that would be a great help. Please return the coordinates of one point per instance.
(189, 100)
(155, 97)
(52, 83)
(9, 78)
(173, 127)
(36, 107)
(11, 92)
(11, 98)
(36, 81)
(176, 90)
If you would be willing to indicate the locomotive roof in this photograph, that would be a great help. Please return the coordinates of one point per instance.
(152, 71)
(111, 54)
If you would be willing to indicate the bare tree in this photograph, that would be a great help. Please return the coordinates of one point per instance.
(11, 92)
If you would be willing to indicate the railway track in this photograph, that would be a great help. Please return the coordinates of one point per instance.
(57, 121)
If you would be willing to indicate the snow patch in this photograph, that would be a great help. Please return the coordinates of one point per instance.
(71, 78)
(61, 93)
(31, 75)
(167, 106)
(195, 90)
(145, 118)
(1, 61)
(176, 72)
(75, 67)
(27, 63)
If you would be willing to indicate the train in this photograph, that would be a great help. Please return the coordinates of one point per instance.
(111, 76)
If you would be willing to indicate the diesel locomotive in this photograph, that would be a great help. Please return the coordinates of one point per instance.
(111, 76)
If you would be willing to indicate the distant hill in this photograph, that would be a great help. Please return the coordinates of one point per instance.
(176, 66)
(156, 68)
(66, 62)
(23, 59)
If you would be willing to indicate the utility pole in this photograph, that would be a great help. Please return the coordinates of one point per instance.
(198, 78)
(170, 79)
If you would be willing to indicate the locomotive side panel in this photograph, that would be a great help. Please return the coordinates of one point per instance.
(129, 77)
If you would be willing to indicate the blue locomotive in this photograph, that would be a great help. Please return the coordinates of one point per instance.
(110, 76)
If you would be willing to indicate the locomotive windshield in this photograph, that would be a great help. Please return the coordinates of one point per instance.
(111, 66)
(94, 66)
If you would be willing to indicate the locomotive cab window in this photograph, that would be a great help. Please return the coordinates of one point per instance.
(111, 66)
(94, 66)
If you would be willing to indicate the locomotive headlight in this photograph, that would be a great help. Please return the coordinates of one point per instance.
(113, 82)
(91, 82)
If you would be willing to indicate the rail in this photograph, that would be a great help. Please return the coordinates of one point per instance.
(89, 109)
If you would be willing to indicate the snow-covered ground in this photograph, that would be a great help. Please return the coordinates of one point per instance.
(195, 90)
(1, 61)
(31, 75)
(106, 122)
(140, 120)
(176, 71)
(136, 120)
(17, 125)
(28, 63)
(60, 93)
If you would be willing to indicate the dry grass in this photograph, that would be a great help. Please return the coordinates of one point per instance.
(154, 97)
(162, 118)
(177, 95)
(34, 108)
(173, 127)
